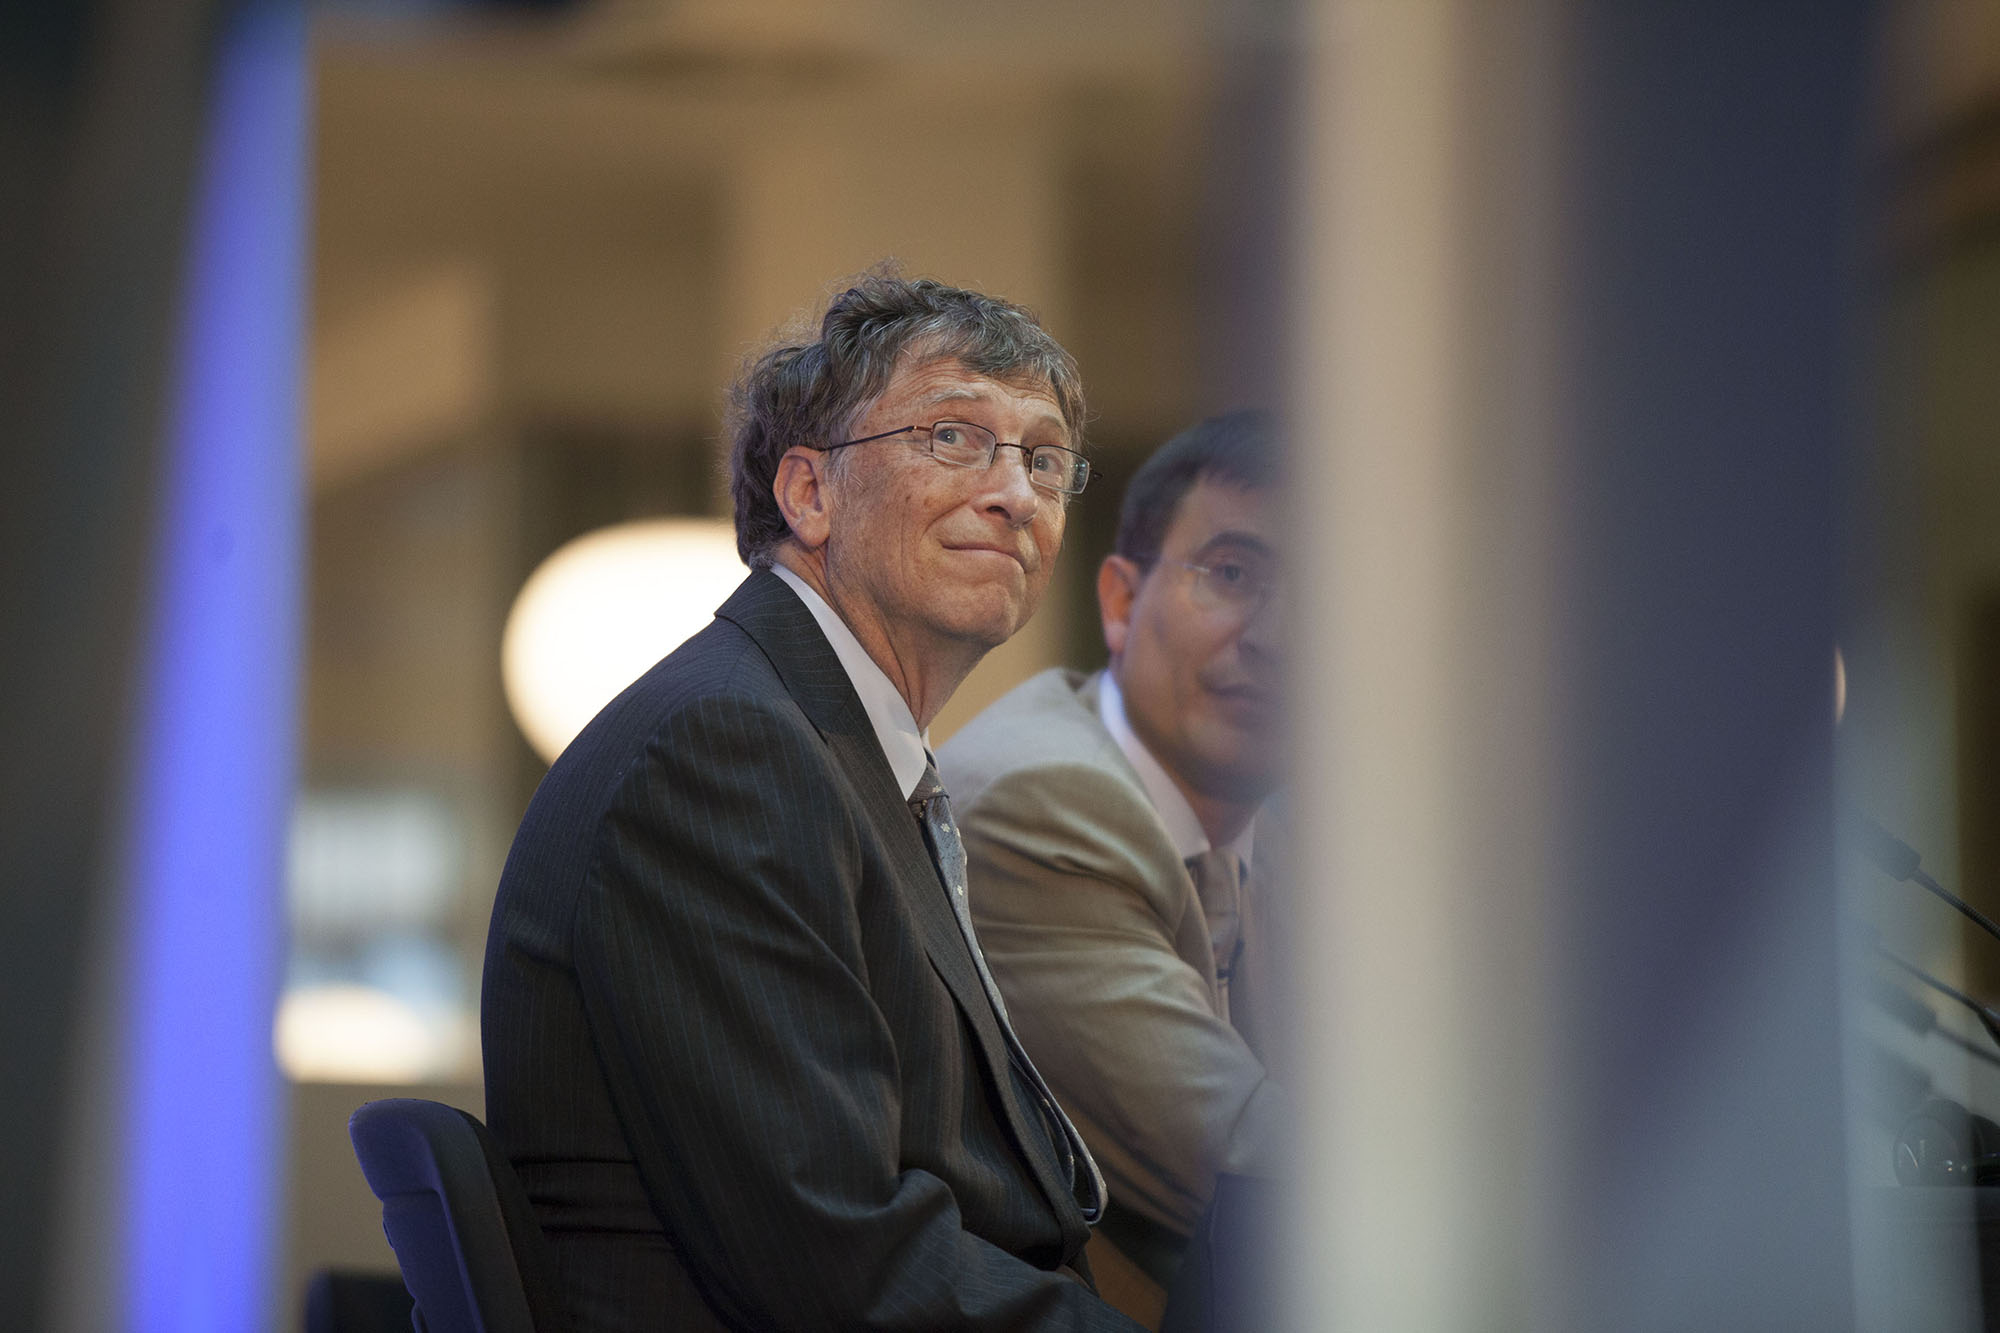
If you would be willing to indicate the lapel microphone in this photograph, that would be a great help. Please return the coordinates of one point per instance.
(1907, 1007)
(1899, 861)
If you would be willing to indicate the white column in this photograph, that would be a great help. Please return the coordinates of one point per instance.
(1420, 489)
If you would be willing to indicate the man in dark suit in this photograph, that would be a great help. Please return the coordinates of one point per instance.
(740, 1043)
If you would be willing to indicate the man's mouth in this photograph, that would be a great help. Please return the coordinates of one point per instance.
(1246, 695)
(990, 549)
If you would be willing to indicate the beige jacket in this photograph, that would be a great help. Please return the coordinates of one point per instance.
(1092, 928)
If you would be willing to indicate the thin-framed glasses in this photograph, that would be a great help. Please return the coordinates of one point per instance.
(965, 444)
(1241, 584)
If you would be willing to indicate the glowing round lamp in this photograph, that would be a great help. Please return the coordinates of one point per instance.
(602, 610)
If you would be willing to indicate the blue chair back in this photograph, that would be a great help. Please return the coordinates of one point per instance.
(472, 1255)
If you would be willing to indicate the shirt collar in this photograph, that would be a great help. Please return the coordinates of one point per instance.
(1183, 827)
(905, 746)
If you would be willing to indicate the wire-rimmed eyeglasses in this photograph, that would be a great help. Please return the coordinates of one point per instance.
(966, 444)
(1241, 585)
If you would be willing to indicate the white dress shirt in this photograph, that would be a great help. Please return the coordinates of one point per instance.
(905, 746)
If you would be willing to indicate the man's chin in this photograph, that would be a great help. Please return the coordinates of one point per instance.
(986, 635)
(986, 622)
(1245, 721)
(1243, 766)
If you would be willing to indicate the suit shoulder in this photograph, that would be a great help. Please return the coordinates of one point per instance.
(719, 673)
(1048, 720)
(708, 731)
(721, 665)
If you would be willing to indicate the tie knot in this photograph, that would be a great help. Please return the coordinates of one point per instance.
(928, 788)
(1216, 871)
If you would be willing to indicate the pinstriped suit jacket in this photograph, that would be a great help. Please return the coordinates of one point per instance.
(734, 1041)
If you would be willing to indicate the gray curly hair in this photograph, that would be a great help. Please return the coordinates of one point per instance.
(810, 393)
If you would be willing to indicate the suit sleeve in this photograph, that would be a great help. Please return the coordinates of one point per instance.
(721, 961)
(1087, 923)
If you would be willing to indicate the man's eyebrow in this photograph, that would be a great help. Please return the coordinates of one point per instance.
(1235, 537)
(1052, 417)
(957, 394)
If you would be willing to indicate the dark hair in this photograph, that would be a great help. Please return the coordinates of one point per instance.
(809, 393)
(1239, 448)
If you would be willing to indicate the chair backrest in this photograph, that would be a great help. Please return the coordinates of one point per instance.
(465, 1237)
(340, 1301)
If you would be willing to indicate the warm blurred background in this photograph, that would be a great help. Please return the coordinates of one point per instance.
(540, 249)
(1636, 356)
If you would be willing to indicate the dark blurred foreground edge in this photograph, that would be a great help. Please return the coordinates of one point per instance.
(1228, 1282)
(102, 105)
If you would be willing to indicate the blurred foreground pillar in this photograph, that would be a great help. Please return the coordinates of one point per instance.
(211, 801)
(169, 1151)
(1572, 383)
(103, 102)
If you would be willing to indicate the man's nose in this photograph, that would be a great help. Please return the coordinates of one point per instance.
(1263, 629)
(1010, 488)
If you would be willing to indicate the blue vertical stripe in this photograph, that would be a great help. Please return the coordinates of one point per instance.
(214, 772)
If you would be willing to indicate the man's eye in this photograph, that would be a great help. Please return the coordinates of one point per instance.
(1232, 573)
(947, 435)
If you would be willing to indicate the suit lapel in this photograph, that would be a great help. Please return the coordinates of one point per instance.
(1191, 937)
(924, 894)
(772, 615)
(1260, 977)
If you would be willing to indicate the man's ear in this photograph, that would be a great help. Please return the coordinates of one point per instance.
(801, 493)
(1118, 582)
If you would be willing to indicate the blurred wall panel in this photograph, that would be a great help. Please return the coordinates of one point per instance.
(1919, 749)
(1577, 322)
(102, 107)
(1715, 188)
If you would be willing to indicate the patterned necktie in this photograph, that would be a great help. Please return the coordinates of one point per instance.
(1218, 882)
(933, 811)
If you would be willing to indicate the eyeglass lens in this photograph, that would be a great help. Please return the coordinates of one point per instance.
(970, 445)
(1236, 583)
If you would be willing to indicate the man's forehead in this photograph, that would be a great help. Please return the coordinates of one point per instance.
(944, 380)
(1215, 510)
